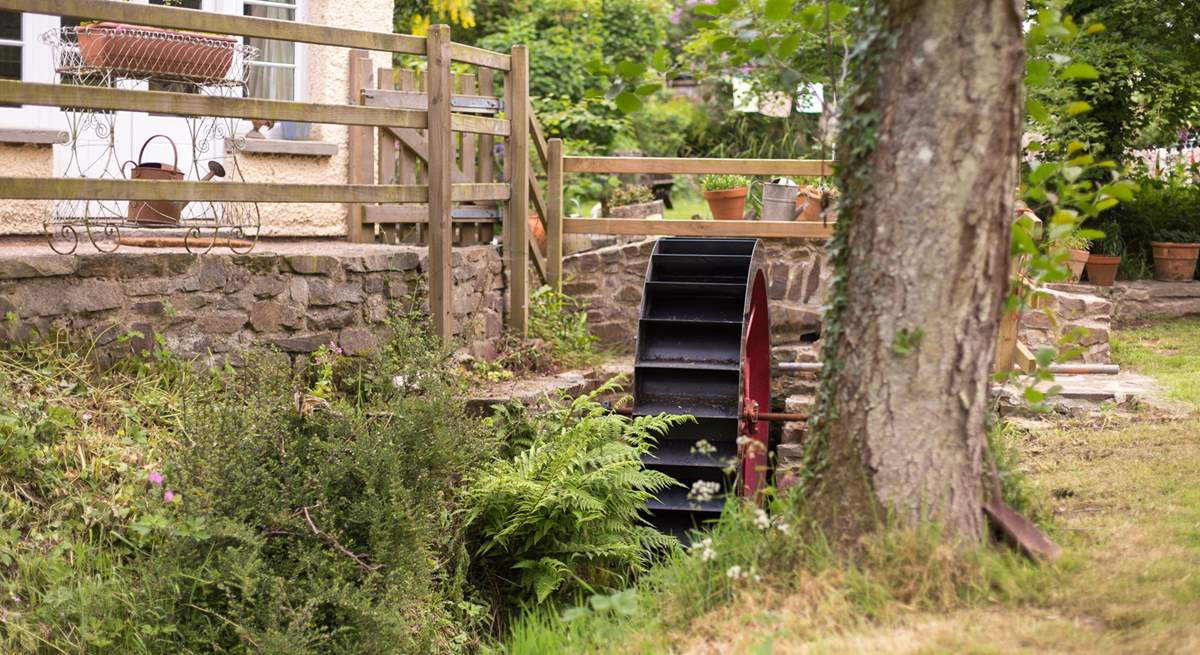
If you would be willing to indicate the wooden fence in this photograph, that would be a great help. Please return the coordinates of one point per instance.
(374, 194)
(557, 165)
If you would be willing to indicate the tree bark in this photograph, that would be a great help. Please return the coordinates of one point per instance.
(929, 145)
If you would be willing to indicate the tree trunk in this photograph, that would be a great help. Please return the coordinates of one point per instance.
(930, 136)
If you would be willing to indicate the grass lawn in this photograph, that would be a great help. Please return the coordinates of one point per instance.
(1123, 498)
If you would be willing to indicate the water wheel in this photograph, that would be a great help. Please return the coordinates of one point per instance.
(704, 349)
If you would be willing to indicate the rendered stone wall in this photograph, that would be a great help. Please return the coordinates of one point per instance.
(215, 305)
(25, 216)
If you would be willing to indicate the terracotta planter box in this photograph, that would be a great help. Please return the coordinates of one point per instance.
(1102, 269)
(1076, 261)
(727, 204)
(652, 209)
(1174, 262)
(156, 51)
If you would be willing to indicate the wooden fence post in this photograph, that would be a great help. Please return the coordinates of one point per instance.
(441, 159)
(554, 213)
(361, 147)
(517, 153)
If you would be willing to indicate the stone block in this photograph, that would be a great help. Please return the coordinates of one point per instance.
(271, 316)
(375, 310)
(94, 296)
(327, 292)
(226, 322)
(332, 318)
(40, 266)
(302, 343)
(210, 275)
(313, 264)
(357, 340)
(392, 261)
(268, 285)
(125, 265)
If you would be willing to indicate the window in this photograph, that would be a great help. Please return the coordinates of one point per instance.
(273, 76)
(10, 45)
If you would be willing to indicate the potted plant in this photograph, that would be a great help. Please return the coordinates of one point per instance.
(633, 201)
(1075, 244)
(1105, 258)
(725, 195)
(1175, 253)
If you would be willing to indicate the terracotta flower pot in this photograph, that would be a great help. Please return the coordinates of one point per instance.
(1174, 262)
(727, 204)
(1076, 261)
(538, 232)
(1102, 269)
(152, 50)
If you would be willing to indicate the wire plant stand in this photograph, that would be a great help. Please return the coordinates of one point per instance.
(115, 55)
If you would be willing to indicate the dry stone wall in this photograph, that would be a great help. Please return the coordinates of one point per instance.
(214, 306)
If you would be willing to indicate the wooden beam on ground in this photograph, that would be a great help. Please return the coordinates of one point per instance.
(517, 153)
(69, 188)
(214, 23)
(441, 161)
(760, 229)
(685, 166)
(554, 213)
(190, 104)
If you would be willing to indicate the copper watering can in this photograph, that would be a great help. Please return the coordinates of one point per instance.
(161, 213)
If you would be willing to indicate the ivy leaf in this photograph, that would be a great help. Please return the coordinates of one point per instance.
(778, 9)
(661, 60)
(628, 102)
(1080, 71)
(1078, 107)
(788, 45)
(631, 70)
(1037, 111)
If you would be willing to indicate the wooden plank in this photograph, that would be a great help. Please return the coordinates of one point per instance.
(458, 122)
(554, 214)
(539, 262)
(214, 23)
(420, 214)
(415, 142)
(42, 188)
(539, 204)
(190, 104)
(539, 139)
(37, 137)
(441, 161)
(466, 159)
(684, 166)
(361, 145)
(485, 172)
(464, 103)
(480, 57)
(386, 171)
(517, 154)
(45, 188)
(761, 229)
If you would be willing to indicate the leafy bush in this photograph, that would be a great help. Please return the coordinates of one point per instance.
(722, 182)
(631, 28)
(558, 55)
(630, 194)
(1156, 210)
(667, 128)
(560, 321)
(150, 509)
(562, 516)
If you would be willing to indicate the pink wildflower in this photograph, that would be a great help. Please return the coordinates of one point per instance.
(676, 16)
(168, 496)
(156, 478)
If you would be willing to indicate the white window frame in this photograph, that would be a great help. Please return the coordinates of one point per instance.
(300, 68)
(35, 67)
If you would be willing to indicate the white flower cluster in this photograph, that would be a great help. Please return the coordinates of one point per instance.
(704, 491)
(703, 447)
(737, 574)
(764, 522)
(705, 549)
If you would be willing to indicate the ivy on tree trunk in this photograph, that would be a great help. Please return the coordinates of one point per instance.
(930, 133)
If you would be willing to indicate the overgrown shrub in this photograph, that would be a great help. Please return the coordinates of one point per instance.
(561, 321)
(562, 515)
(1156, 210)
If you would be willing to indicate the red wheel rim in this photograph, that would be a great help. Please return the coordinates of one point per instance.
(756, 390)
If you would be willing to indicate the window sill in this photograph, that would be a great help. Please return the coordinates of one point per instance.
(285, 147)
(32, 136)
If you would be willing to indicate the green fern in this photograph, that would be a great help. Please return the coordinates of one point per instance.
(562, 514)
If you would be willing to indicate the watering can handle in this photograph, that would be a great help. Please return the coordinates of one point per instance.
(142, 152)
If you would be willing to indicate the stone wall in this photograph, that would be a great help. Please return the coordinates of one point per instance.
(1068, 309)
(213, 305)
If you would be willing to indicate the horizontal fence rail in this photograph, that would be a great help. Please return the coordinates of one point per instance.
(682, 166)
(281, 30)
(190, 104)
(37, 188)
(686, 228)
